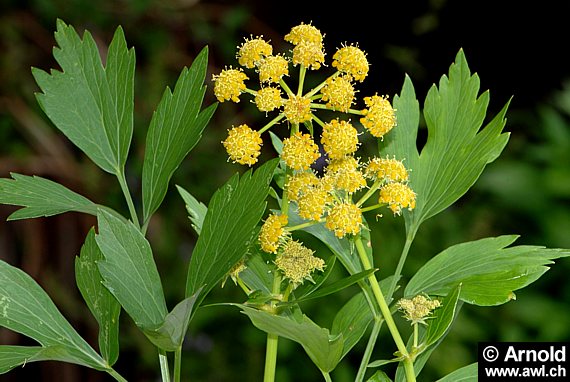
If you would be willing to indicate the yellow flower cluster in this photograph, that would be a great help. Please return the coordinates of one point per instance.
(297, 262)
(397, 196)
(243, 145)
(299, 151)
(380, 117)
(272, 232)
(328, 197)
(418, 308)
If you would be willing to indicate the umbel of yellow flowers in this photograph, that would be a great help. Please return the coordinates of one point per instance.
(327, 198)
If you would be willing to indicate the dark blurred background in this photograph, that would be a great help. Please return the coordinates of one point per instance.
(518, 49)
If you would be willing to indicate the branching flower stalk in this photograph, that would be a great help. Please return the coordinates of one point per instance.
(317, 199)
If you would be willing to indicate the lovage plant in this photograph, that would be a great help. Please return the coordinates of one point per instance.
(92, 104)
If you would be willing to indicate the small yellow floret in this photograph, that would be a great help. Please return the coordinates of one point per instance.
(398, 196)
(299, 151)
(243, 145)
(268, 99)
(338, 93)
(235, 271)
(390, 170)
(380, 117)
(304, 33)
(351, 60)
(299, 183)
(349, 180)
(313, 202)
(297, 109)
(418, 308)
(252, 51)
(297, 262)
(343, 219)
(309, 54)
(273, 68)
(339, 138)
(229, 84)
(343, 164)
(272, 232)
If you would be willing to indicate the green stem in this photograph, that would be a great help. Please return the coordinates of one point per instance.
(128, 198)
(320, 86)
(163, 359)
(302, 73)
(369, 193)
(416, 335)
(177, 363)
(304, 225)
(272, 339)
(385, 310)
(371, 208)
(116, 375)
(285, 87)
(318, 120)
(369, 348)
(271, 123)
(327, 376)
(409, 239)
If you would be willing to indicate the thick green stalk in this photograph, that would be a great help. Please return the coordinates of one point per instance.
(163, 360)
(409, 239)
(177, 364)
(272, 339)
(116, 375)
(385, 310)
(327, 376)
(369, 348)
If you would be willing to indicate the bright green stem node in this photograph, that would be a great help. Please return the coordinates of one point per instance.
(385, 310)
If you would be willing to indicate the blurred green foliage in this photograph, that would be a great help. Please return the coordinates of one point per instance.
(526, 191)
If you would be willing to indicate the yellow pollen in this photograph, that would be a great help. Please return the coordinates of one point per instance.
(299, 183)
(297, 262)
(338, 93)
(309, 54)
(346, 163)
(272, 232)
(252, 51)
(398, 196)
(390, 170)
(299, 151)
(297, 109)
(339, 138)
(243, 145)
(272, 68)
(343, 219)
(313, 202)
(229, 84)
(304, 33)
(268, 99)
(380, 117)
(351, 60)
(349, 180)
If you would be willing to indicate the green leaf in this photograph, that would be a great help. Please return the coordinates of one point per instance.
(488, 271)
(41, 197)
(337, 285)
(442, 319)
(175, 128)
(129, 271)
(89, 103)
(228, 229)
(323, 349)
(351, 322)
(102, 304)
(379, 376)
(170, 335)
(467, 373)
(457, 149)
(26, 309)
(258, 275)
(13, 356)
(196, 210)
